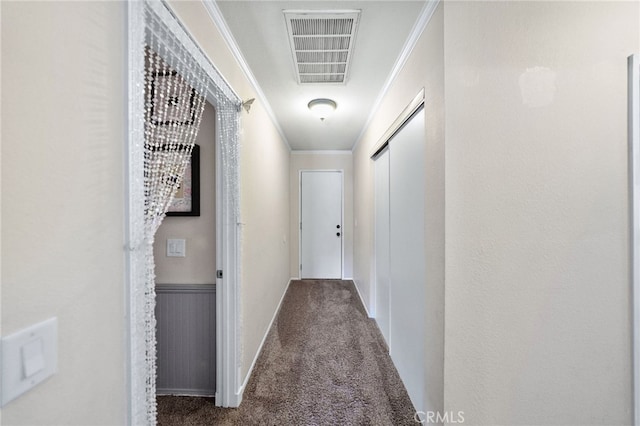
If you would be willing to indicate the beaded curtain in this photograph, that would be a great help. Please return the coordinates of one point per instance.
(174, 103)
(177, 81)
(173, 112)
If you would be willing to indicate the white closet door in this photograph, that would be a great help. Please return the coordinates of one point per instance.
(407, 248)
(382, 242)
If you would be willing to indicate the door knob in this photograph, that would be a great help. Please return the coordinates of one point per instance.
(338, 234)
(338, 226)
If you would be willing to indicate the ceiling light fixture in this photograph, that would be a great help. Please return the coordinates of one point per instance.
(322, 107)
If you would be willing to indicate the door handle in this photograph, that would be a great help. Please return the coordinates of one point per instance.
(338, 234)
(338, 226)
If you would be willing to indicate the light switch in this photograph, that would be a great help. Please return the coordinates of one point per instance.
(32, 358)
(29, 357)
(176, 247)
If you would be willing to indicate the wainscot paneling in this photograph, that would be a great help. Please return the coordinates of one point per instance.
(186, 334)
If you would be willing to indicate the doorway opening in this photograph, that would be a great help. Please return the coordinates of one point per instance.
(184, 246)
(153, 23)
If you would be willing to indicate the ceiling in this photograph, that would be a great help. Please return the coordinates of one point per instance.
(259, 30)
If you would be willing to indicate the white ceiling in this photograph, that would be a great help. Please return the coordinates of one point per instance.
(259, 30)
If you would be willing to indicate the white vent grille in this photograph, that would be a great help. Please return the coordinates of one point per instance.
(322, 44)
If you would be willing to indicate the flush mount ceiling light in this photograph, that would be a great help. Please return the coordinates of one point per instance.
(322, 107)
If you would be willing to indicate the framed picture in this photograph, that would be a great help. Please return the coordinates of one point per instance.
(176, 110)
(187, 199)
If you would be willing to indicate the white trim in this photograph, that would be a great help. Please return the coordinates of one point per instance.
(421, 23)
(320, 152)
(134, 210)
(216, 16)
(634, 194)
(413, 106)
(361, 298)
(170, 19)
(228, 333)
(264, 339)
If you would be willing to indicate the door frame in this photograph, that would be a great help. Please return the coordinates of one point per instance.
(633, 123)
(227, 104)
(341, 171)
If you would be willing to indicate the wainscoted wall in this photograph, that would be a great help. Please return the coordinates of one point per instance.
(186, 334)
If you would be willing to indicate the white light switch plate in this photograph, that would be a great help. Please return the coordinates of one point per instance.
(176, 247)
(29, 357)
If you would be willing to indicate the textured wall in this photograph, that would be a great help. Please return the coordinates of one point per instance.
(199, 265)
(63, 132)
(423, 69)
(301, 160)
(537, 283)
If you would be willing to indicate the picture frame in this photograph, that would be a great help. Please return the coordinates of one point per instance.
(187, 199)
(171, 111)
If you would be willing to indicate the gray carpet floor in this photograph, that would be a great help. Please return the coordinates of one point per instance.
(323, 363)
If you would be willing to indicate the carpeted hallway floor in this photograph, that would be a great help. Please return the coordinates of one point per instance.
(323, 363)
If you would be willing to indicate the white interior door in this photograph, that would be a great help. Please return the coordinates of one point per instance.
(381, 171)
(321, 224)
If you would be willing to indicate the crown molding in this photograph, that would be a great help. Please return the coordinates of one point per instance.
(418, 28)
(322, 152)
(216, 16)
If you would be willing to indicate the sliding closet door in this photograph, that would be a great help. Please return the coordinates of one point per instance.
(407, 255)
(381, 167)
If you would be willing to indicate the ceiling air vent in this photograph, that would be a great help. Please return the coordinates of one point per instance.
(322, 44)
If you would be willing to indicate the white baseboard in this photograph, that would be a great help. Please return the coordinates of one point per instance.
(361, 299)
(240, 392)
(237, 398)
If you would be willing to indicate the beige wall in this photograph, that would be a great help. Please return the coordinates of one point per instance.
(63, 133)
(317, 160)
(424, 68)
(199, 265)
(537, 291)
(264, 197)
(533, 107)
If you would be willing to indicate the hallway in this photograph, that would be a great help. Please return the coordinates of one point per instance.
(324, 362)
(527, 302)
